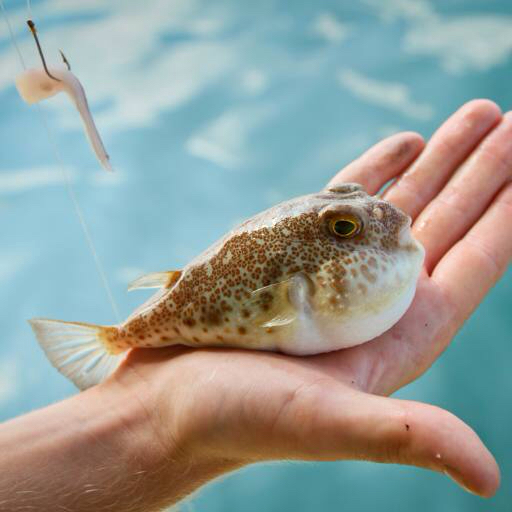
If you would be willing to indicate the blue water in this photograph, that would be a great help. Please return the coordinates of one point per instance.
(212, 111)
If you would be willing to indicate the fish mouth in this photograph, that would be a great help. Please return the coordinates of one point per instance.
(409, 244)
(407, 241)
(405, 235)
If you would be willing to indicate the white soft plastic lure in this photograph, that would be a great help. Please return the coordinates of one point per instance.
(318, 273)
(35, 85)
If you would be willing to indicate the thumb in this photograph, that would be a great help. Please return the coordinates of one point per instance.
(348, 424)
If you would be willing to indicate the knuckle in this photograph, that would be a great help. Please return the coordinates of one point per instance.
(398, 447)
(296, 406)
(454, 201)
(498, 154)
(490, 259)
(410, 184)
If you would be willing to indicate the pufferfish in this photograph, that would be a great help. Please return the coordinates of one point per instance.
(317, 273)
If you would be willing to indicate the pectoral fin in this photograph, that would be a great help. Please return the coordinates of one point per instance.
(156, 280)
(279, 304)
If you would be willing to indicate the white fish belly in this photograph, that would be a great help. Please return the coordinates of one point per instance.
(315, 334)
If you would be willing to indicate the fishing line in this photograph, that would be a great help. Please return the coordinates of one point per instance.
(65, 173)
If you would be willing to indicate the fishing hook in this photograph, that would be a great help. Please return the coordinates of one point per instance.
(32, 27)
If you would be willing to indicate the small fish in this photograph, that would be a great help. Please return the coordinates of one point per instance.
(317, 273)
(38, 84)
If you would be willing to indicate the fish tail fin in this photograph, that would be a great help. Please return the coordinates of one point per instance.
(79, 351)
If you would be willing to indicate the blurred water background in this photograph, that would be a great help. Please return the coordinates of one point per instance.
(212, 111)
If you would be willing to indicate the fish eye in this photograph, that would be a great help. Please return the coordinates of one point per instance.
(345, 226)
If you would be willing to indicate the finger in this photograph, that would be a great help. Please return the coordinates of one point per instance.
(381, 162)
(447, 149)
(343, 425)
(473, 265)
(466, 196)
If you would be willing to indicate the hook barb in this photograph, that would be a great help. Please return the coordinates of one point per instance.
(66, 61)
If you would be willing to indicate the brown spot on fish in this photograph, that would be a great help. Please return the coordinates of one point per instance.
(371, 278)
(190, 322)
(213, 317)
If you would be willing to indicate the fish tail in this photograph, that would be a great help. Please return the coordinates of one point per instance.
(82, 352)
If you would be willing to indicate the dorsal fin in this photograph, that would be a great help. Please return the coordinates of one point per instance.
(156, 280)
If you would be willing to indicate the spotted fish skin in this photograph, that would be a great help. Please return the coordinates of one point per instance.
(282, 281)
(317, 273)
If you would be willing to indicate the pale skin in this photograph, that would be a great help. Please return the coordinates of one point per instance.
(171, 419)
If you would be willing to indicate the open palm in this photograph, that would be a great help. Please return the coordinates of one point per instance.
(244, 406)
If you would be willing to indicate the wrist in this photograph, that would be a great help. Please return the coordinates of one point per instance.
(141, 428)
(116, 421)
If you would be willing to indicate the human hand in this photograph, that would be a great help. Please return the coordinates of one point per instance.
(233, 407)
